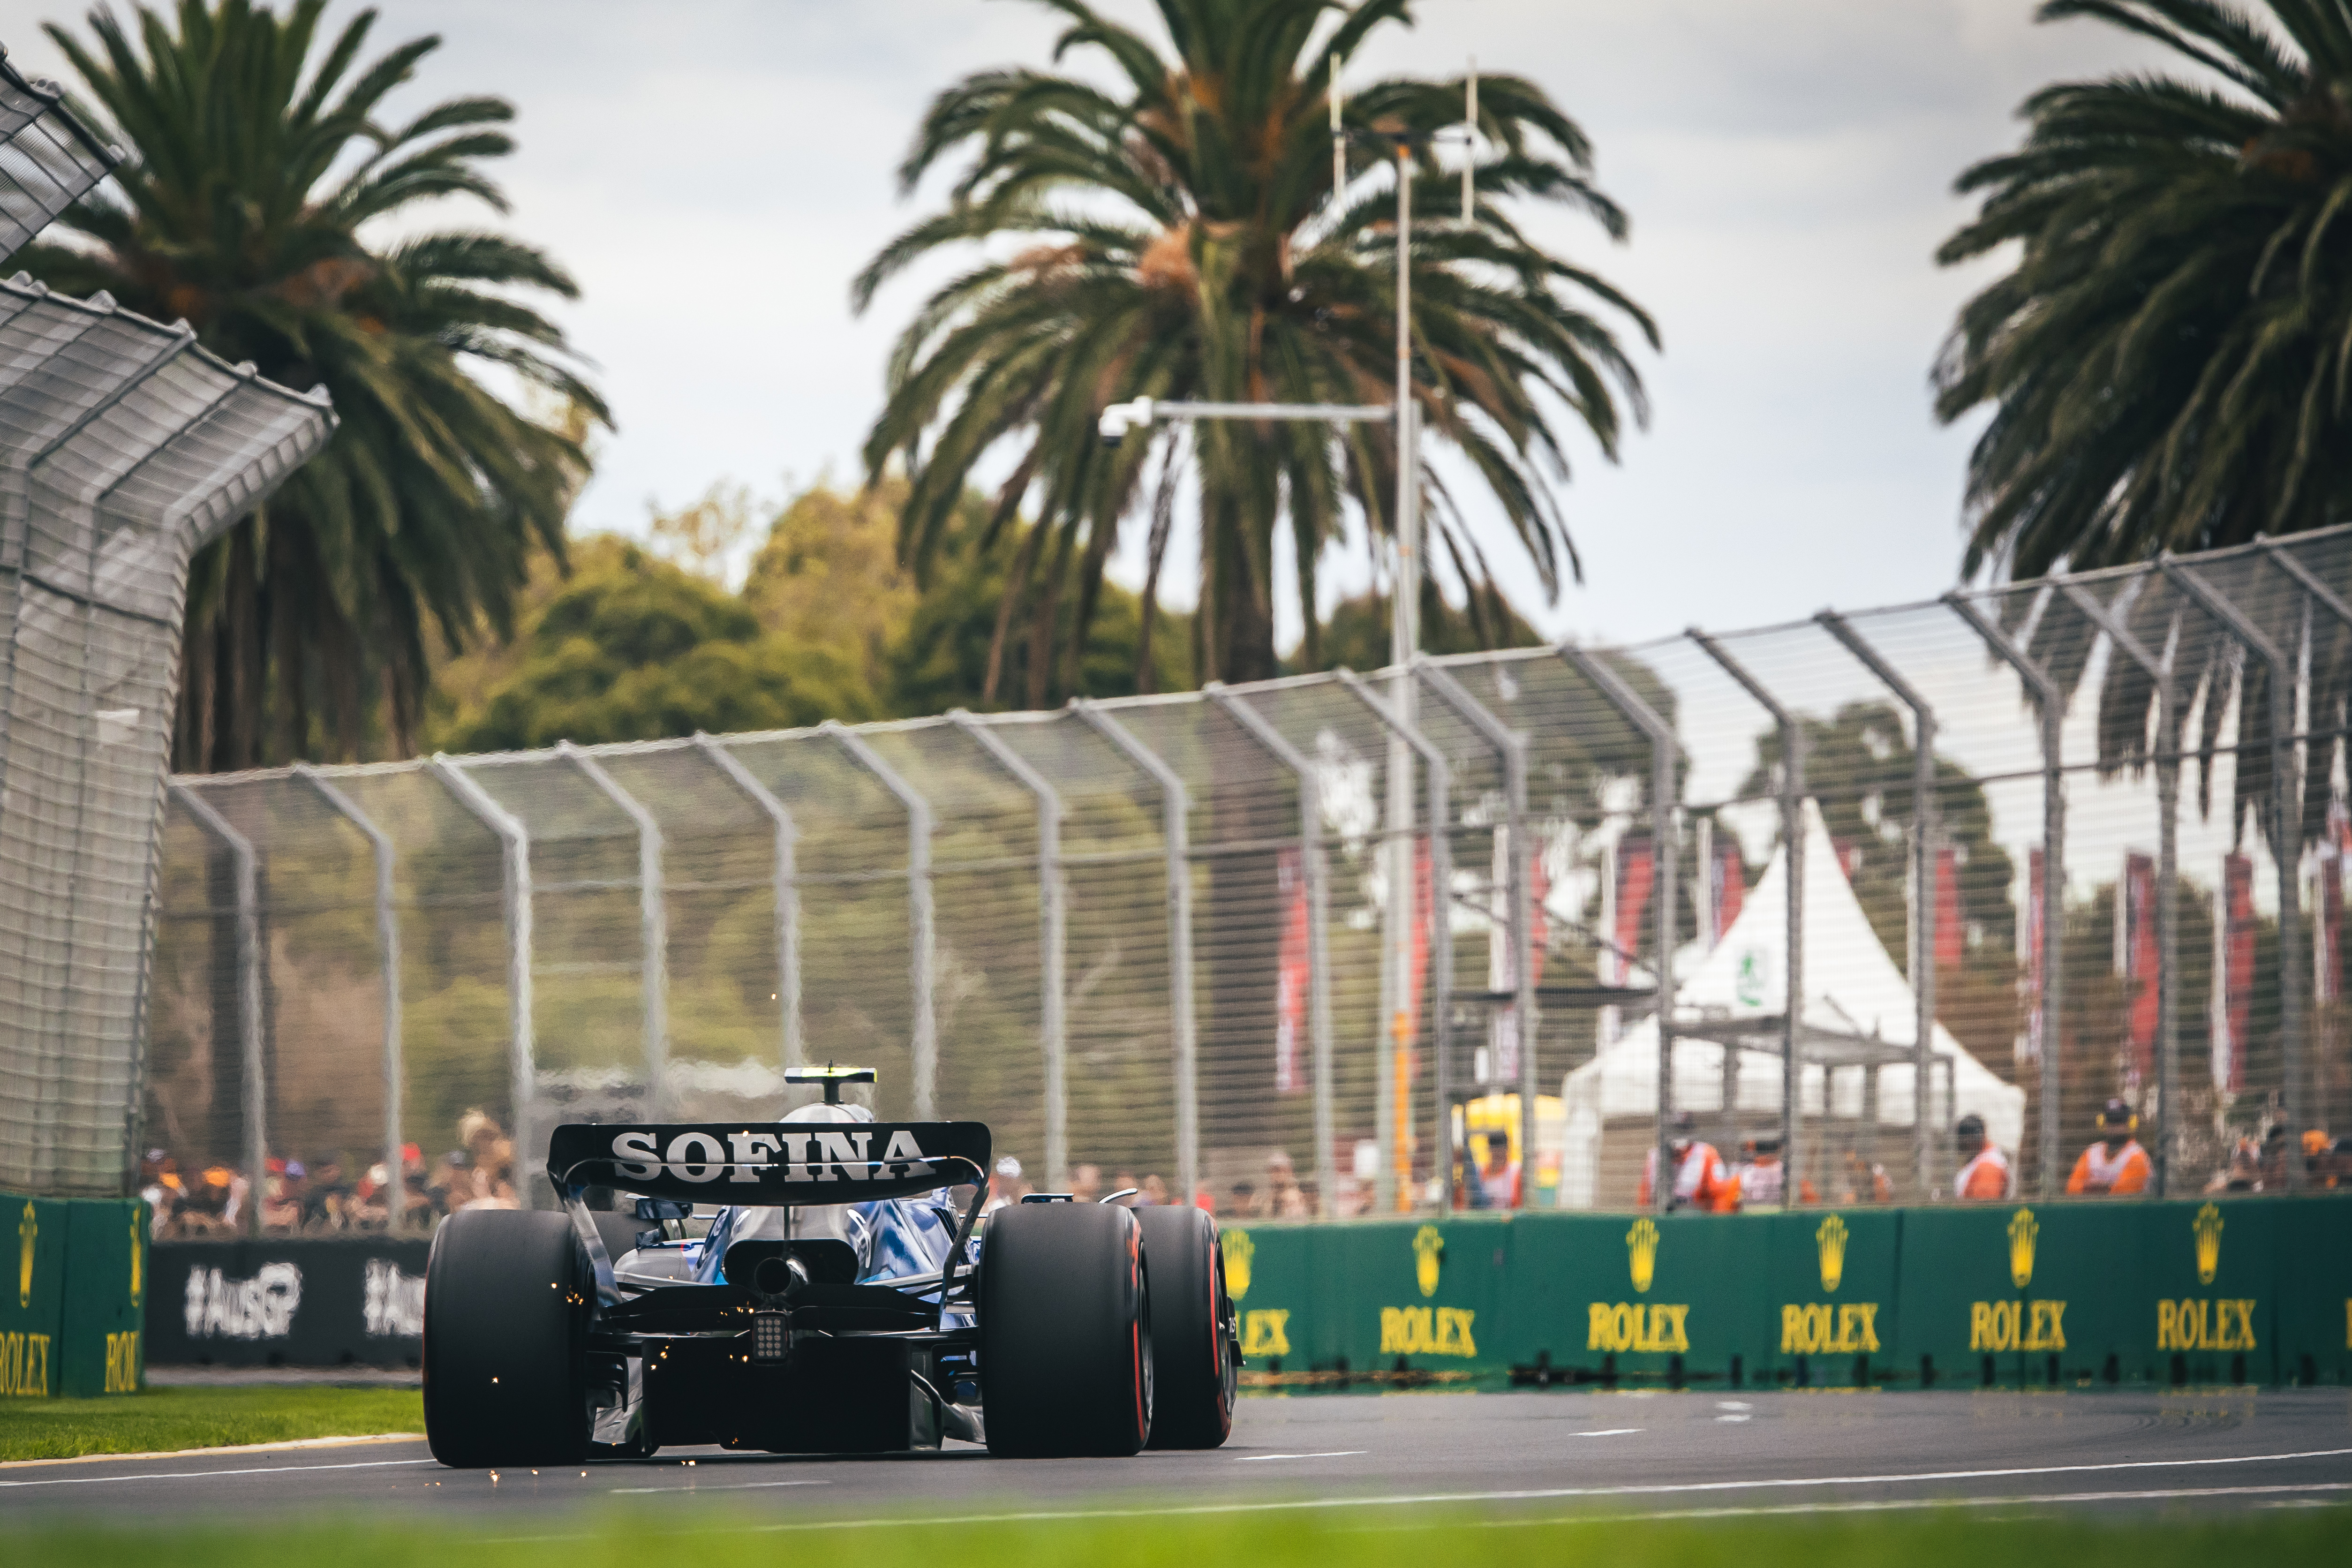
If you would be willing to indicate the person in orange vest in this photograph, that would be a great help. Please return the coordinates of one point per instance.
(1701, 1180)
(2116, 1166)
(1763, 1179)
(1984, 1175)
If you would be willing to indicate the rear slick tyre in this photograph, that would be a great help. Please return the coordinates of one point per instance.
(1066, 1364)
(1195, 1361)
(506, 1307)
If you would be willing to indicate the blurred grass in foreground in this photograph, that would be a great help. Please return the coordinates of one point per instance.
(164, 1418)
(1366, 1538)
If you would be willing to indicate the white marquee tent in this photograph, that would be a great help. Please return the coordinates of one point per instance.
(1853, 987)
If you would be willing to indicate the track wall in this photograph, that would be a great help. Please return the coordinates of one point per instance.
(2033, 1295)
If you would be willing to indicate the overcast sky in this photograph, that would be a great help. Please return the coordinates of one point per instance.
(715, 172)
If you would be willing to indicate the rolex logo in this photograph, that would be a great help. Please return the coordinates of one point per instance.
(2208, 1225)
(28, 1229)
(1428, 1253)
(1237, 1247)
(1829, 1239)
(1641, 1245)
(138, 1252)
(2022, 1228)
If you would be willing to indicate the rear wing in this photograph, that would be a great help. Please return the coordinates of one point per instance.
(769, 1162)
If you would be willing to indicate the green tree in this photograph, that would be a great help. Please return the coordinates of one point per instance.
(256, 159)
(2168, 363)
(1179, 238)
(633, 649)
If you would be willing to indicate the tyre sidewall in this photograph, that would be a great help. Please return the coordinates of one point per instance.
(505, 1316)
(1066, 1330)
(1194, 1356)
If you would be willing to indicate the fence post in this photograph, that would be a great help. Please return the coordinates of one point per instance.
(1052, 914)
(1792, 873)
(1175, 819)
(653, 927)
(521, 1047)
(1664, 750)
(2286, 838)
(48, 1075)
(788, 892)
(2159, 669)
(387, 942)
(1923, 887)
(2327, 599)
(1510, 747)
(2050, 704)
(1441, 934)
(248, 996)
(922, 930)
(1319, 906)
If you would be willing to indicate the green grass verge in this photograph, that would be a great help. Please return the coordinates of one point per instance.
(1373, 1538)
(162, 1418)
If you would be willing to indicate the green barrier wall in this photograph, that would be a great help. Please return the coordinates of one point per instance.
(2247, 1291)
(72, 1308)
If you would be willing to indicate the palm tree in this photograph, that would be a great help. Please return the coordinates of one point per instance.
(253, 170)
(1180, 237)
(2169, 362)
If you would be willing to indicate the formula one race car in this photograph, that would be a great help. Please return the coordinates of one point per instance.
(837, 1303)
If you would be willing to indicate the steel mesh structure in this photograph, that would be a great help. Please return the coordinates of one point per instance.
(2013, 853)
(124, 447)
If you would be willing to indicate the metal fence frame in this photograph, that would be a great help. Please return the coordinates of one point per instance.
(2110, 619)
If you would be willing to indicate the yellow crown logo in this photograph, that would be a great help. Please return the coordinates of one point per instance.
(138, 1252)
(2208, 1225)
(2022, 1228)
(26, 1229)
(1642, 1243)
(1238, 1248)
(1831, 1242)
(1428, 1252)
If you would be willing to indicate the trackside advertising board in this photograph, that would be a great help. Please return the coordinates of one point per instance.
(72, 1300)
(2195, 1291)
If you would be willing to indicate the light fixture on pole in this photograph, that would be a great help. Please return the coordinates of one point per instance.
(1397, 1003)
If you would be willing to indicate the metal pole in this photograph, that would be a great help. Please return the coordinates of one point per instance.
(1175, 817)
(2051, 705)
(787, 891)
(653, 927)
(1404, 645)
(248, 995)
(1664, 751)
(1792, 874)
(2327, 599)
(522, 1049)
(2159, 669)
(1923, 886)
(1441, 932)
(2286, 838)
(922, 927)
(1319, 905)
(387, 942)
(1405, 615)
(1054, 942)
(1511, 747)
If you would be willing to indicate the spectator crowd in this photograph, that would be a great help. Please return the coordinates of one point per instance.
(333, 1190)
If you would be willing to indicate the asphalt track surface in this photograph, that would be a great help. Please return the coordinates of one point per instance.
(1509, 1457)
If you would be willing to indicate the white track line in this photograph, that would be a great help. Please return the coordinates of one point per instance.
(723, 1487)
(1900, 1504)
(1329, 1454)
(290, 1444)
(201, 1475)
(1423, 1499)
